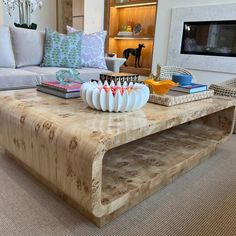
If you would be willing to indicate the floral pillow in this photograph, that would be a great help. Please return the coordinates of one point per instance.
(92, 51)
(62, 50)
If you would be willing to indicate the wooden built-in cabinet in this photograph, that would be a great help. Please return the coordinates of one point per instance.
(64, 15)
(78, 14)
(70, 12)
(118, 15)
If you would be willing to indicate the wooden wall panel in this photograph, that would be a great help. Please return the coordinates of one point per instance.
(78, 14)
(64, 14)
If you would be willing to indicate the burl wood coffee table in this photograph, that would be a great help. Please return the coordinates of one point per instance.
(105, 163)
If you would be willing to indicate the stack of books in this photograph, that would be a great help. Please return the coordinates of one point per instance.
(190, 88)
(65, 91)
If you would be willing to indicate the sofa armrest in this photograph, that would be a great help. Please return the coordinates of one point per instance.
(114, 63)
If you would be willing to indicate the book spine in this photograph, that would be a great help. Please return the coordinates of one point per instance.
(189, 90)
(68, 90)
(57, 92)
(53, 87)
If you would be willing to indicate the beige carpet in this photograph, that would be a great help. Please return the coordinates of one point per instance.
(202, 202)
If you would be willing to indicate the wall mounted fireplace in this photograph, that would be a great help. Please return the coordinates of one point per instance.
(216, 38)
(203, 38)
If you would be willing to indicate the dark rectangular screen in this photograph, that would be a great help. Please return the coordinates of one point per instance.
(216, 38)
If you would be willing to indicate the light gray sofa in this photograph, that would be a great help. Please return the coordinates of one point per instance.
(21, 53)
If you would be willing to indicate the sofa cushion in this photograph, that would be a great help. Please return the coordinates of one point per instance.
(27, 46)
(6, 52)
(62, 50)
(92, 51)
(49, 73)
(17, 78)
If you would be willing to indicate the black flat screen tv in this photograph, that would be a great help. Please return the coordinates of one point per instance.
(213, 38)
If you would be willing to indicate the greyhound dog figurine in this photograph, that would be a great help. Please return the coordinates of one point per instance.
(135, 52)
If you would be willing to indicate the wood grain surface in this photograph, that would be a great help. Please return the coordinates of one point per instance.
(104, 163)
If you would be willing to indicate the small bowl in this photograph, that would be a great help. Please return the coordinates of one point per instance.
(182, 79)
(160, 87)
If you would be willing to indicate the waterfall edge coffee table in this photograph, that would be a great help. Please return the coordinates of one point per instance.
(105, 163)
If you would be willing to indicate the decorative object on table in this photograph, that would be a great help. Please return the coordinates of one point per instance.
(173, 98)
(135, 52)
(157, 76)
(61, 89)
(137, 29)
(25, 9)
(114, 63)
(226, 89)
(68, 84)
(67, 55)
(160, 87)
(92, 49)
(71, 87)
(152, 77)
(57, 92)
(182, 79)
(122, 77)
(114, 97)
(67, 77)
(166, 72)
(191, 88)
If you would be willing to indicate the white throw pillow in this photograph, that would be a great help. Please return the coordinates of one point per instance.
(28, 46)
(7, 59)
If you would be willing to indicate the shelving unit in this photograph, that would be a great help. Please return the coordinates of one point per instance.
(135, 11)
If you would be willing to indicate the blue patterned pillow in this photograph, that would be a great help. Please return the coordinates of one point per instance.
(62, 50)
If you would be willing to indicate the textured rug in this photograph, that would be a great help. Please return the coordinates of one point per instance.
(201, 202)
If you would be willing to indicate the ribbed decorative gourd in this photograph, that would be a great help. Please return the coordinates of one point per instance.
(114, 97)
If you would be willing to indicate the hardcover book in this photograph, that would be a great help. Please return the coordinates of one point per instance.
(72, 87)
(191, 88)
(58, 93)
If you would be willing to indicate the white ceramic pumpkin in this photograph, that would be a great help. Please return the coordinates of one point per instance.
(114, 98)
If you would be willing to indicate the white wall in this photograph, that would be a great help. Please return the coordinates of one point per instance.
(94, 15)
(47, 16)
(93, 10)
(162, 36)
